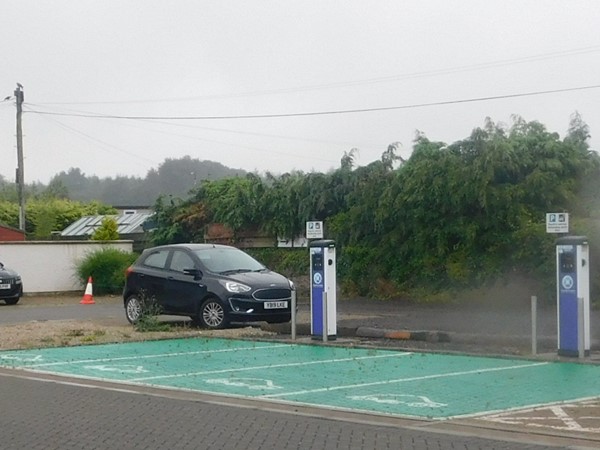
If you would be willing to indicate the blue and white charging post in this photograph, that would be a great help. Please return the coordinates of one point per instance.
(323, 308)
(573, 295)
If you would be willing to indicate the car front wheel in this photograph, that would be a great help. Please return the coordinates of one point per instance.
(11, 301)
(133, 308)
(212, 314)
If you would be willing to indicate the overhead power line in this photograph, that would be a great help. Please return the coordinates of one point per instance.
(322, 113)
(351, 83)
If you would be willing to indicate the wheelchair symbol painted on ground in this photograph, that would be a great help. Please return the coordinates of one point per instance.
(120, 368)
(23, 357)
(250, 383)
(414, 401)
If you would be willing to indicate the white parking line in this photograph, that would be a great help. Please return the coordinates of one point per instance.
(272, 366)
(402, 380)
(160, 355)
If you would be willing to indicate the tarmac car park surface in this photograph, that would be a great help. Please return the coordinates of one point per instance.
(339, 396)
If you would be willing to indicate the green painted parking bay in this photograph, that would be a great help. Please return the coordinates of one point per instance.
(379, 381)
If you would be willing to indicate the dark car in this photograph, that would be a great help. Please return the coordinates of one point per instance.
(213, 284)
(11, 286)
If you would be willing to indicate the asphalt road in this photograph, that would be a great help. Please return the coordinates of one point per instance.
(488, 328)
(26, 311)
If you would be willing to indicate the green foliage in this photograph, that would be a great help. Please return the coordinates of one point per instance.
(107, 231)
(9, 213)
(290, 262)
(107, 268)
(169, 228)
(360, 269)
(43, 215)
(451, 217)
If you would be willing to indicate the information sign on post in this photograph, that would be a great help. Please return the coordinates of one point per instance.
(557, 222)
(314, 230)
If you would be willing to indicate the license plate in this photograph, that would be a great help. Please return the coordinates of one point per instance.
(275, 305)
(5, 286)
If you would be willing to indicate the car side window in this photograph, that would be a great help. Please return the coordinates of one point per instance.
(157, 259)
(180, 261)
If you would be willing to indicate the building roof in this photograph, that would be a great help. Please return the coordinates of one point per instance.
(128, 223)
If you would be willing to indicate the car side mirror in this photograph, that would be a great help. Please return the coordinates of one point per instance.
(196, 273)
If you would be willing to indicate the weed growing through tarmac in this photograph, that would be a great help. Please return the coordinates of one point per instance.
(148, 320)
(93, 336)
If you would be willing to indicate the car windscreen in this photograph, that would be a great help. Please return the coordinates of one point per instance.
(227, 260)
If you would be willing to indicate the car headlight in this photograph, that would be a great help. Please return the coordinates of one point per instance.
(234, 287)
(292, 285)
(18, 280)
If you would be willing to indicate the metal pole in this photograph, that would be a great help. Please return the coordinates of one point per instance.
(324, 316)
(20, 172)
(580, 331)
(293, 315)
(533, 325)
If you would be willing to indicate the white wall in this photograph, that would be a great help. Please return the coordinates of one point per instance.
(49, 266)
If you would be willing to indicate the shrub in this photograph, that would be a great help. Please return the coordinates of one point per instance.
(107, 231)
(287, 261)
(107, 268)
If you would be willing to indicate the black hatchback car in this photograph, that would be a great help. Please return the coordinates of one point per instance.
(11, 286)
(212, 284)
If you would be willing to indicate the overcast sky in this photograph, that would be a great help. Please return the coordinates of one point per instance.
(196, 58)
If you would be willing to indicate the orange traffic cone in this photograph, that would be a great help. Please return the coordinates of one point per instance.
(88, 299)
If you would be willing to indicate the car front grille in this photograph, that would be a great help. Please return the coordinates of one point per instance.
(272, 294)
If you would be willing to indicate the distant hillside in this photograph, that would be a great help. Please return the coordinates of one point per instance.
(174, 177)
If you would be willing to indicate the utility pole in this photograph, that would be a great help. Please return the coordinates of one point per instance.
(20, 173)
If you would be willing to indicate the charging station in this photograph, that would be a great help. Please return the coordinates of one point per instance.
(323, 308)
(573, 295)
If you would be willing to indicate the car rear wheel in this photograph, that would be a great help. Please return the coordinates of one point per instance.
(212, 314)
(134, 308)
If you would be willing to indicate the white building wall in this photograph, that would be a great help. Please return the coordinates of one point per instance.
(49, 266)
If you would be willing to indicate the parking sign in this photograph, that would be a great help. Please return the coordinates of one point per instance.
(557, 222)
(314, 230)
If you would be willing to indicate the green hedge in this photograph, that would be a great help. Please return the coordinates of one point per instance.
(107, 268)
(287, 261)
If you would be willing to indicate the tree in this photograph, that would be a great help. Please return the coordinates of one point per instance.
(107, 231)
(451, 215)
(347, 161)
(56, 189)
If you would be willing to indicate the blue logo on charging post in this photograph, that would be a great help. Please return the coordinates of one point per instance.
(317, 279)
(567, 282)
